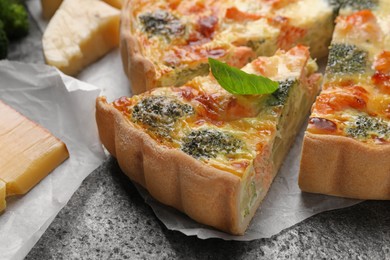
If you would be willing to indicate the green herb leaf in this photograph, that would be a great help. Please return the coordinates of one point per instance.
(239, 82)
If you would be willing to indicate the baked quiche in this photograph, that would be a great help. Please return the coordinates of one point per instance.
(208, 153)
(167, 42)
(346, 150)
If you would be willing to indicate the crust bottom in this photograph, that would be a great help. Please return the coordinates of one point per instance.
(342, 166)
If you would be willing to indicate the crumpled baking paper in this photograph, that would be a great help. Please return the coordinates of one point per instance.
(66, 107)
(284, 206)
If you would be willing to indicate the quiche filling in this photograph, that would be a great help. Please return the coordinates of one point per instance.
(355, 101)
(178, 36)
(245, 135)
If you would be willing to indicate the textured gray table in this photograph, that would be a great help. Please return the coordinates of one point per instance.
(107, 219)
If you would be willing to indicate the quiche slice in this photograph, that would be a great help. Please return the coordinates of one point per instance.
(208, 153)
(346, 150)
(167, 42)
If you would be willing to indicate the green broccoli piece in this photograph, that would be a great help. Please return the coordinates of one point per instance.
(336, 5)
(185, 75)
(366, 126)
(3, 42)
(355, 5)
(279, 97)
(161, 22)
(159, 113)
(256, 45)
(344, 58)
(15, 19)
(209, 143)
(358, 5)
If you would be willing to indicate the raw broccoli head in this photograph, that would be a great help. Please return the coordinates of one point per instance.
(345, 58)
(3, 42)
(15, 19)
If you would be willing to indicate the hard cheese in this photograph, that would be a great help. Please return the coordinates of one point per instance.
(28, 153)
(80, 33)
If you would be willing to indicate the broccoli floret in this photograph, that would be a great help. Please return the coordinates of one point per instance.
(279, 97)
(366, 126)
(256, 45)
(160, 113)
(335, 4)
(210, 143)
(186, 74)
(344, 58)
(15, 19)
(355, 5)
(3, 43)
(358, 5)
(163, 23)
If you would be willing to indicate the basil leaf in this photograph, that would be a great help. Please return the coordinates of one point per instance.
(239, 82)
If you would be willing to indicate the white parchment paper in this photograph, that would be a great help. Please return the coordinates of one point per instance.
(283, 207)
(65, 106)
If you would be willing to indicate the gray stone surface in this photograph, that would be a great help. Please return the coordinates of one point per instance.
(107, 219)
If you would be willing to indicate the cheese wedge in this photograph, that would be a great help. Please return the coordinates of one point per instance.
(2, 196)
(28, 152)
(49, 7)
(80, 33)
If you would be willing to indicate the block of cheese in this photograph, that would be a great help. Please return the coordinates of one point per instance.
(80, 33)
(49, 7)
(2, 196)
(28, 152)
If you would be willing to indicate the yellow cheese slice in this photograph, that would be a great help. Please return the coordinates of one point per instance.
(114, 3)
(2, 196)
(80, 33)
(49, 7)
(28, 152)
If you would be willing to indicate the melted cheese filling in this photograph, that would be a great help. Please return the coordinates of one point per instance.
(228, 30)
(356, 102)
